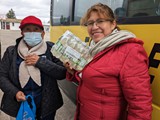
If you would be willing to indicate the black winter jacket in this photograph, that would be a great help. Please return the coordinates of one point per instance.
(50, 67)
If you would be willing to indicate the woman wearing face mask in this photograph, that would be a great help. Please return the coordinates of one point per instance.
(28, 68)
(115, 85)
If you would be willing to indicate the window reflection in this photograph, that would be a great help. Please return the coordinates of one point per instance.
(81, 6)
(61, 12)
(143, 8)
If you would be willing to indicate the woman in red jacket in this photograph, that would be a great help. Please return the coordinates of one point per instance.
(115, 85)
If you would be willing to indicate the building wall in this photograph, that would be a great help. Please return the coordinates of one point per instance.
(14, 26)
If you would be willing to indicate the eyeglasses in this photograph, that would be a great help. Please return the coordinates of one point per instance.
(98, 22)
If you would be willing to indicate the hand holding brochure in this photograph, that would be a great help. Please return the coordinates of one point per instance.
(69, 47)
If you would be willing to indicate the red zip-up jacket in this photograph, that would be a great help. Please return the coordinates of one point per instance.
(115, 85)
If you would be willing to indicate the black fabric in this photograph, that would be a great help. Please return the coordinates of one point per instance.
(51, 69)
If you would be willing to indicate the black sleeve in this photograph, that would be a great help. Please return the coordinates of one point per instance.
(6, 85)
(53, 66)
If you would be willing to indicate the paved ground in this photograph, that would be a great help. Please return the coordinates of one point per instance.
(64, 113)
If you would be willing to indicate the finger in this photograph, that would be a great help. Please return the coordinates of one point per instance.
(71, 68)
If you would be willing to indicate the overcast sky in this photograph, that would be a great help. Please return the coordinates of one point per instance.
(23, 8)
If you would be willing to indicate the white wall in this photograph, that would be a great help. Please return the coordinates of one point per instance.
(15, 27)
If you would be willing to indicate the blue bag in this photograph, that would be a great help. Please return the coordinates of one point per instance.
(27, 110)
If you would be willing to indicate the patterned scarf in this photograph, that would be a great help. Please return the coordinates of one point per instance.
(113, 38)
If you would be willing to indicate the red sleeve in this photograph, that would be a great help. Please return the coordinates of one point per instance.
(73, 78)
(135, 82)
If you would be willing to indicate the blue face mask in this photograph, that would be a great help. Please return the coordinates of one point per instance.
(32, 38)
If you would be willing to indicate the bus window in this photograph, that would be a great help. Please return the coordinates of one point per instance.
(120, 12)
(140, 8)
(139, 12)
(81, 6)
(157, 3)
(60, 12)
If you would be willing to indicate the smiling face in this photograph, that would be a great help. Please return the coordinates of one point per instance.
(98, 26)
(100, 21)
